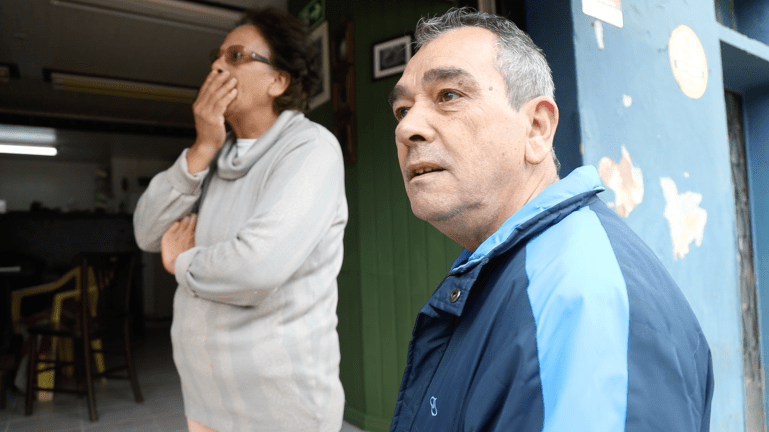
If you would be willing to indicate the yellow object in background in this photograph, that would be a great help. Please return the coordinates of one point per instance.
(52, 347)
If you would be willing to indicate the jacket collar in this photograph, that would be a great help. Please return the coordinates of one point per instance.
(554, 203)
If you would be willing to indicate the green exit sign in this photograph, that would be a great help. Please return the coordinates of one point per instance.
(314, 13)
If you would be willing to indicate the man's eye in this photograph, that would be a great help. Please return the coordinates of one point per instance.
(448, 96)
(401, 112)
(236, 55)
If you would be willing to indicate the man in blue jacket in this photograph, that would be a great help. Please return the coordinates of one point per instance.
(556, 317)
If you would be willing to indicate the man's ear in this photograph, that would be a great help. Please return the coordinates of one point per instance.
(279, 84)
(543, 115)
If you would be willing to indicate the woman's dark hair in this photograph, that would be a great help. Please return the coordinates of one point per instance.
(291, 52)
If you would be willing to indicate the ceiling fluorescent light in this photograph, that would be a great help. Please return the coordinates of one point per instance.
(174, 12)
(20, 149)
(25, 134)
(125, 88)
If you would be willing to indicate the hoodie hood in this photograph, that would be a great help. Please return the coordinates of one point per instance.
(230, 167)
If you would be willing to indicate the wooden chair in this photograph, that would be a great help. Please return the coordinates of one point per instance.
(103, 315)
(14, 267)
(63, 291)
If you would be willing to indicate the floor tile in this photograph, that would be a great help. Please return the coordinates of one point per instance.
(48, 424)
(172, 422)
(127, 425)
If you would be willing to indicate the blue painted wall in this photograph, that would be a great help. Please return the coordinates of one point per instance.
(757, 152)
(670, 135)
(549, 23)
(752, 19)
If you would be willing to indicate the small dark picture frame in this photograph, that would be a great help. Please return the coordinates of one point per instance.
(322, 94)
(391, 56)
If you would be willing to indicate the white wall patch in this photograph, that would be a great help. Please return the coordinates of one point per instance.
(605, 10)
(598, 29)
(688, 61)
(685, 216)
(625, 179)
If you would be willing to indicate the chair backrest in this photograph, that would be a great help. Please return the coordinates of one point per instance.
(113, 276)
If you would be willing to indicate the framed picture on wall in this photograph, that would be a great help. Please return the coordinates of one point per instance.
(343, 55)
(390, 57)
(319, 38)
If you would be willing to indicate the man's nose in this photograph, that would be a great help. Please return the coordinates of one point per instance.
(415, 127)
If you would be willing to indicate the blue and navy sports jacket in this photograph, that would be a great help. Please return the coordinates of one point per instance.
(563, 320)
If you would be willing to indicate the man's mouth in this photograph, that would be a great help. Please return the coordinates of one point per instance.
(422, 169)
(425, 171)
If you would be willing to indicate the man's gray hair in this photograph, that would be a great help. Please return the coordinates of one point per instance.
(521, 62)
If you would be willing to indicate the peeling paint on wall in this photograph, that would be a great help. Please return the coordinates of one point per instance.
(685, 216)
(598, 28)
(606, 10)
(625, 180)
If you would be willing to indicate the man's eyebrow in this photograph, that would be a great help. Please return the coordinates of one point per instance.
(445, 74)
(397, 93)
(435, 75)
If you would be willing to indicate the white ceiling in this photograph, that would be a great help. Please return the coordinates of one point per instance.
(37, 35)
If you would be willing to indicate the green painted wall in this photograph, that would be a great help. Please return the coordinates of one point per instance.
(393, 261)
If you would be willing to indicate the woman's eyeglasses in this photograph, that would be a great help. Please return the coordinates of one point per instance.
(236, 55)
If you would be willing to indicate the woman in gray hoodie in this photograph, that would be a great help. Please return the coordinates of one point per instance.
(251, 224)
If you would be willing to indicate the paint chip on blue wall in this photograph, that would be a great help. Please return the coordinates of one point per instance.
(625, 179)
(598, 29)
(685, 216)
(605, 10)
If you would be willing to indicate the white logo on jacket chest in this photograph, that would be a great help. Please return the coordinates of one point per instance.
(433, 407)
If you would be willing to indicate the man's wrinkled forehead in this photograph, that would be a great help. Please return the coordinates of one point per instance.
(438, 74)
